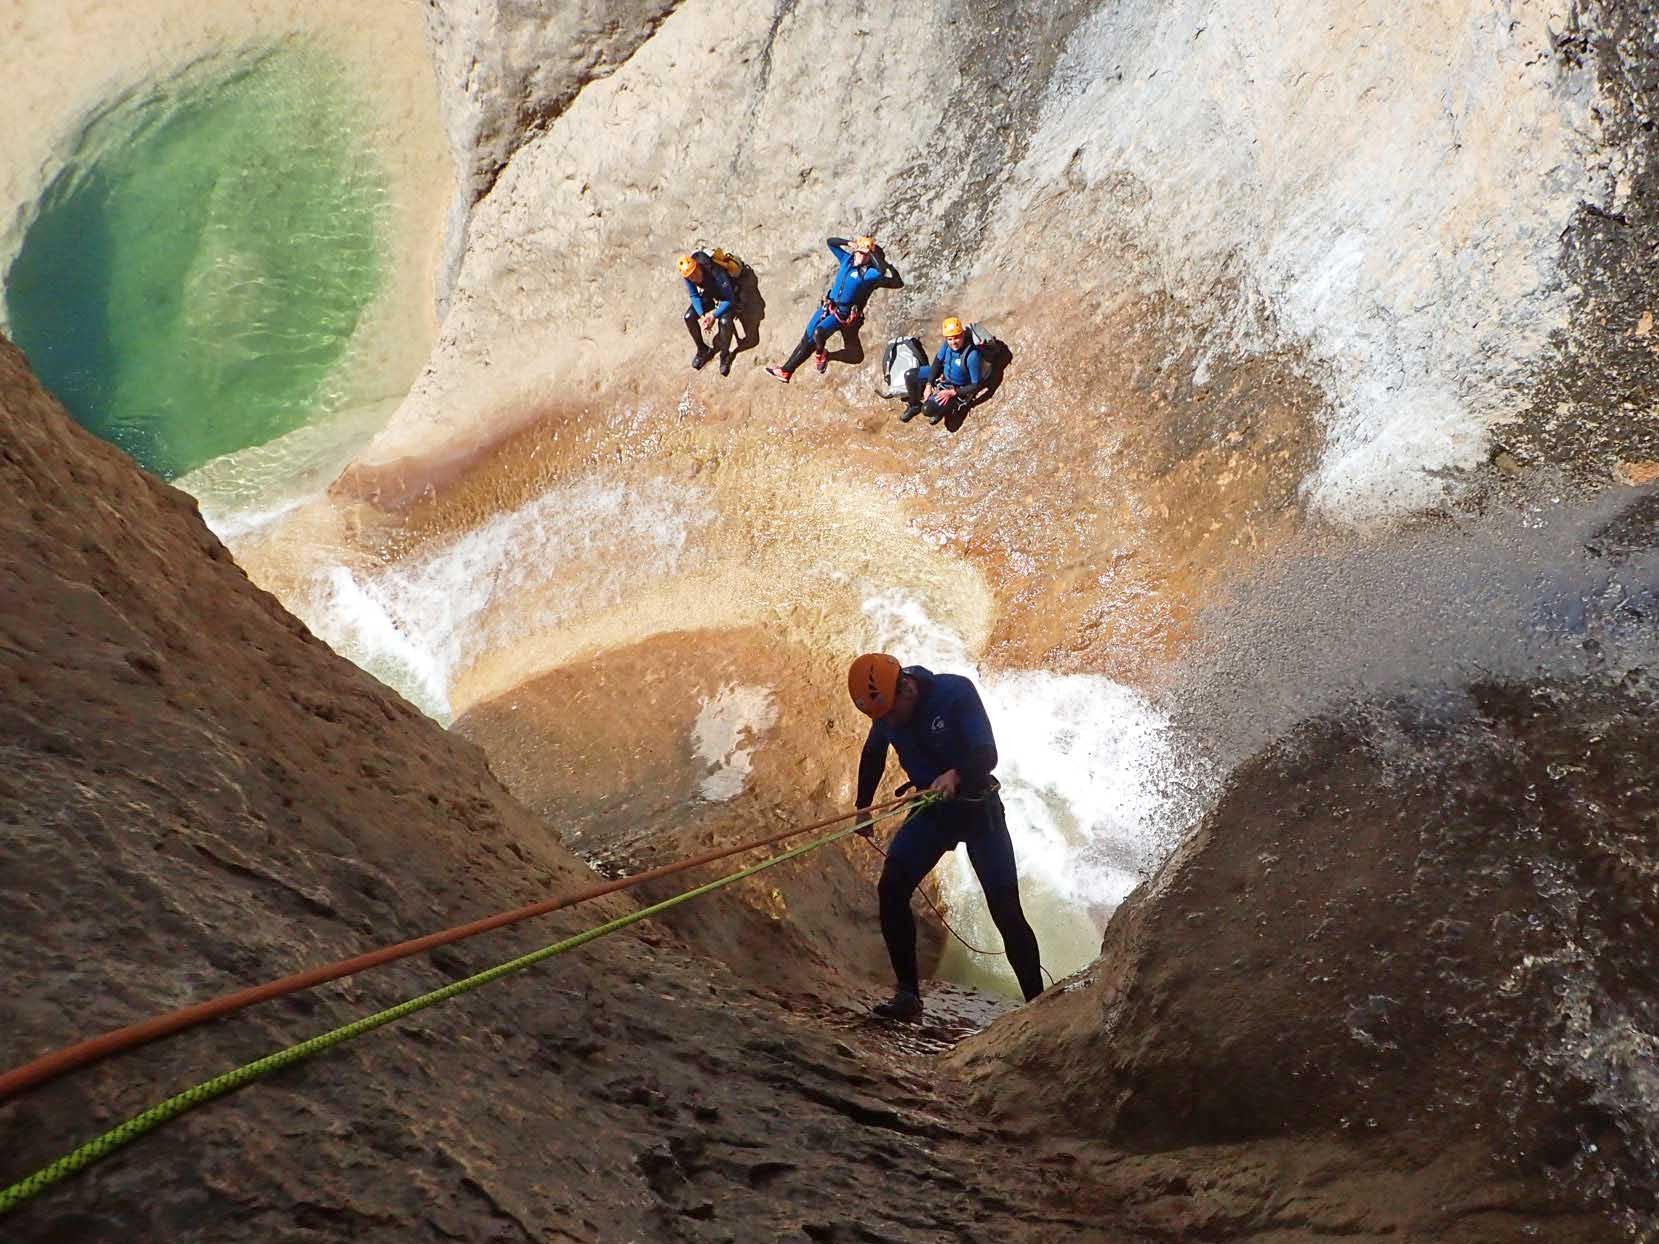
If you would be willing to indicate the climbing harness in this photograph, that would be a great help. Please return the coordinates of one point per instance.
(163, 1112)
(853, 316)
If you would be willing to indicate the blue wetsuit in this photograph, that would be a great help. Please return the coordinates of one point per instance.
(948, 729)
(717, 292)
(964, 370)
(848, 293)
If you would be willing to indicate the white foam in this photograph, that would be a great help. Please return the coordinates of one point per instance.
(360, 625)
(231, 525)
(418, 623)
(737, 715)
(1383, 195)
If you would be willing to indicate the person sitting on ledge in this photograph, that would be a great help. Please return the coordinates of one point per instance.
(955, 378)
(713, 301)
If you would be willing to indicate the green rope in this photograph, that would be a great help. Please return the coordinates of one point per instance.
(140, 1124)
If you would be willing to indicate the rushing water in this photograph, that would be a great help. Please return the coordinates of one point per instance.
(419, 622)
(195, 276)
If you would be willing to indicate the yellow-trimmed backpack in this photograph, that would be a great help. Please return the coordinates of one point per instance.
(735, 267)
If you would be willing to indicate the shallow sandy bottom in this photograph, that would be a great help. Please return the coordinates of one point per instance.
(85, 58)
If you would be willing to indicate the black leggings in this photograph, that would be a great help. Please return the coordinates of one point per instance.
(920, 845)
(942, 406)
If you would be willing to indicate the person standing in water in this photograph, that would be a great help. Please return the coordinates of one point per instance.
(938, 726)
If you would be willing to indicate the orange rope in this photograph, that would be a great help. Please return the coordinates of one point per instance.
(50, 1066)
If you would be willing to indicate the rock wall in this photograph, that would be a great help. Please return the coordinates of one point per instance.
(1258, 272)
(1392, 200)
(506, 68)
(1408, 941)
(1596, 400)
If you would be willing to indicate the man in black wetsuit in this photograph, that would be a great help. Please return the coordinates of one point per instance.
(939, 728)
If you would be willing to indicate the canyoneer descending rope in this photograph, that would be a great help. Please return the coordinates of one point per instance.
(861, 270)
(943, 737)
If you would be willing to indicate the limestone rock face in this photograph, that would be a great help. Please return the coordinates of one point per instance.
(1398, 202)
(506, 68)
(1401, 942)
(1596, 403)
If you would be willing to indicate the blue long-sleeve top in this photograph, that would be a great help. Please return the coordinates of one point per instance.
(852, 285)
(717, 288)
(947, 730)
(963, 370)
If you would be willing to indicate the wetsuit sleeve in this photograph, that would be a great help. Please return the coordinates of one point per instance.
(976, 772)
(872, 763)
(696, 298)
(976, 376)
(838, 247)
(977, 739)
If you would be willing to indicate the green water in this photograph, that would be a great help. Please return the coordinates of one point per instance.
(195, 277)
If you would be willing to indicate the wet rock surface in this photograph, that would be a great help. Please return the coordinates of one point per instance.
(1420, 944)
(1595, 411)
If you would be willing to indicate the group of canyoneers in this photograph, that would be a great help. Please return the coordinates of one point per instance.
(935, 722)
(957, 377)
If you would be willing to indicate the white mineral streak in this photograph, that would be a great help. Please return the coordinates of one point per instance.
(1385, 186)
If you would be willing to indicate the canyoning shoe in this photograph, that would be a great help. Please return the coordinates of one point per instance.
(902, 1005)
(700, 359)
(935, 417)
(910, 411)
(821, 362)
(778, 374)
(725, 364)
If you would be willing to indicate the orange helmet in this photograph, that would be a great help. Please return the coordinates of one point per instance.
(688, 266)
(866, 243)
(873, 683)
(952, 327)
